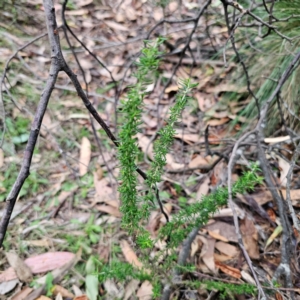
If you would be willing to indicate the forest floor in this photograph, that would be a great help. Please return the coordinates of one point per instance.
(67, 214)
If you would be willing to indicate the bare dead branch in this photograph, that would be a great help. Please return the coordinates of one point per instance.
(231, 37)
(286, 249)
(288, 187)
(56, 65)
(182, 257)
(235, 216)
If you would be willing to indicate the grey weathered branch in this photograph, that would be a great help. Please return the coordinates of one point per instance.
(58, 64)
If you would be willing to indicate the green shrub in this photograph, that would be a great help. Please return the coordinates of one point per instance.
(136, 208)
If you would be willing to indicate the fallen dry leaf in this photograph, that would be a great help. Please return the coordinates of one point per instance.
(172, 164)
(103, 251)
(145, 291)
(99, 172)
(116, 26)
(224, 212)
(38, 243)
(153, 223)
(219, 173)
(157, 13)
(103, 188)
(221, 257)
(247, 277)
(173, 6)
(295, 197)
(225, 87)
(58, 297)
(198, 161)
(82, 297)
(202, 190)
(113, 203)
(21, 295)
(220, 115)
(215, 234)
(255, 207)
(63, 196)
(149, 121)
(57, 275)
(205, 101)
(207, 252)
(278, 296)
(284, 167)
(112, 290)
(145, 144)
(213, 123)
(79, 12)
(172, 88)
(226, 248)
(77, 291)
(196, 245)
(226, 230)
(262, 197)
(189, 138)
(167, 209)
(271, 214)
(276, 232)
(119, 17)
(8, 286)
(266, 196)
(278, 139)
(233, 272)
(83, 2)
(183, 72)
(8, 274)
(57, 289)
(130, 288)
(40, 264)
(46, 125)
(130, 13)
(85, 156)
(250, 237)
(22, 270)
(161, 245)
(110, 210)
(130, 255)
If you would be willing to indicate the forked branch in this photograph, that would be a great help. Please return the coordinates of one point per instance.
(58, 64)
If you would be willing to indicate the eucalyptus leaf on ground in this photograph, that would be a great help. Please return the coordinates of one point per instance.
(91, 286)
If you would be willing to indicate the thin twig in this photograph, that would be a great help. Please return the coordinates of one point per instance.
(288, 187)
(232, 39)
(182, 257)
(56, 65)
(284, 267)
(2, 109)
(235, 217)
